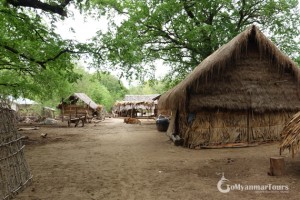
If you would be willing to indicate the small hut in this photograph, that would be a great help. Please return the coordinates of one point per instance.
(136, 106)
(240, 95)
(79, 104)
(291, 135)
(26, 108)
(48, 112)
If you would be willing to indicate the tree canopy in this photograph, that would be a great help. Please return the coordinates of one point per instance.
(184, 32)
(34, 60)
(156, 87)
(102, 88)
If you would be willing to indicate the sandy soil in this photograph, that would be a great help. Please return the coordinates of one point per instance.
(113, 160)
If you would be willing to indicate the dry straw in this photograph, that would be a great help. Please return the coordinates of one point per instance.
(291, 135)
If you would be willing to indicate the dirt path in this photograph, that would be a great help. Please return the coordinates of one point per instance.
(113, 160)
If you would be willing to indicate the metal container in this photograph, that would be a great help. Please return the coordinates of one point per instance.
(162, 124)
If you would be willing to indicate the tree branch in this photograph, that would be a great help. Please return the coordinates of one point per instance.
(12, 50)
(189, 12)
(9, 85)
(53, 8)
(41, 63)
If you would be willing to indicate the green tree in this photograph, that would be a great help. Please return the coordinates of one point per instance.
(184, 32)
(149, 87)
(103, 88)
(34, 60)
(113, 85)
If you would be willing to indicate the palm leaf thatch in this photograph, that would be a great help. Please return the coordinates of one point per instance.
(136, 101)
(259, 98)
(291, 135)
(86, 99)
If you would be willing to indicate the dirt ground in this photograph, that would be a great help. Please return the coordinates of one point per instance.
(113, 160)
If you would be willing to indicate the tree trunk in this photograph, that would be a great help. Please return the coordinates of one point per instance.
(277, 166)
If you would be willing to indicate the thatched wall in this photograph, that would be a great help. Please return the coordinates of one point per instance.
(211, 128)
(14, 172)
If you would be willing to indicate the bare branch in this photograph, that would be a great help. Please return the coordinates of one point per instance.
(42, 63)
(9, 85)
(53, 8)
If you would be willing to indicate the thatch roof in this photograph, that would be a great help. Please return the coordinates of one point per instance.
(136, 101)
(83, 97)
(291, 135)
(257, 97)
(140, 98)
(146, 100)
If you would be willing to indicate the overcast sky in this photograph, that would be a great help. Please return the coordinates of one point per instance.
(86, 28)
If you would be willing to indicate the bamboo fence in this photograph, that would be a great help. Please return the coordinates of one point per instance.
(14, 171)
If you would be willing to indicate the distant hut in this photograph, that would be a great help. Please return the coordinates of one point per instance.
(291, 135)
(26, 107)
(136, 106)
(243, 93)
(79, 104)
(48, 112)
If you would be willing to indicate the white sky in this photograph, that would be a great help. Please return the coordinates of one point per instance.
(86, 28)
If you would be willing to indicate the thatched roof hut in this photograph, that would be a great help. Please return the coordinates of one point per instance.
(134, 103)
(243, 92)
(77, 97)
(79, 104)
(291, 135)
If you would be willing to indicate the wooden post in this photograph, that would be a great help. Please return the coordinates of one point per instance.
(248, 126)
(131, 110)
(62, 109)
(277, 166)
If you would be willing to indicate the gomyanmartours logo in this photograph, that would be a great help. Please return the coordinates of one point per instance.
(264, 188)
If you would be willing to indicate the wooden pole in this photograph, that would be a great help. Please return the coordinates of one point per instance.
(62, 111)
(248, 125)
(277, 166)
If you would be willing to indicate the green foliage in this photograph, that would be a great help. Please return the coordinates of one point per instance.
(103, 88)
(34, 61)
(37, 63)
(113, 85)
(184, 32)
(153, 87)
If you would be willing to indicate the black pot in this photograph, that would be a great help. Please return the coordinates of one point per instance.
(162, 124)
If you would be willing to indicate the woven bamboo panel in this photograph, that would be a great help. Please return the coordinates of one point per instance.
(14, 171)
(219, 128)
